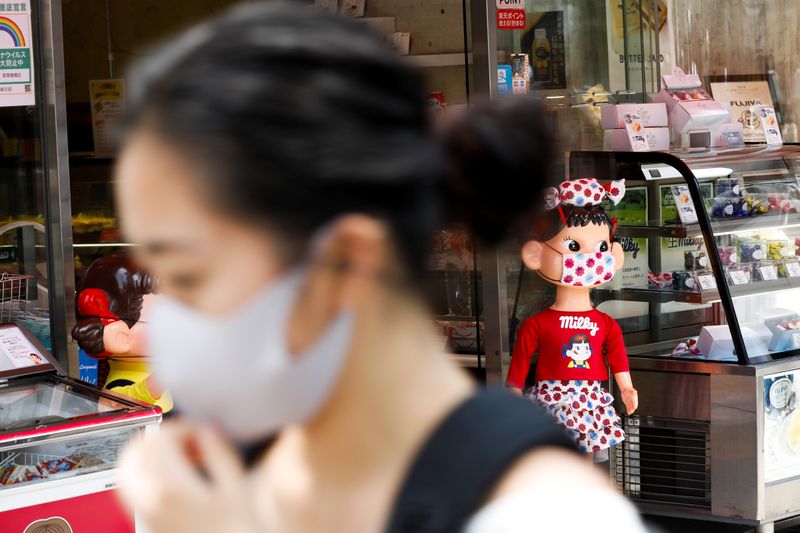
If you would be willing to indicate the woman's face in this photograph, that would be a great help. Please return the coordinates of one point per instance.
(209, 261)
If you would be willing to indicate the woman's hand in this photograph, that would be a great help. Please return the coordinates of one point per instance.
(184, 478)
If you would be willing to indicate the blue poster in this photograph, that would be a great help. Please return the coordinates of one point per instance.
(504, 79)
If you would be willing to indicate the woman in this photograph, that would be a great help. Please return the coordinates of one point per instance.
(282, 182)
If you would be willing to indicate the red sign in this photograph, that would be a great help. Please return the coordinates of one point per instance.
(92, 512)
(510, 19)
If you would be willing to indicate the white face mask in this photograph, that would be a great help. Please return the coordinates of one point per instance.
(236, 372)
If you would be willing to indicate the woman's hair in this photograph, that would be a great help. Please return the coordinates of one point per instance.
(123, 286)
(550, 222)
(294, 117)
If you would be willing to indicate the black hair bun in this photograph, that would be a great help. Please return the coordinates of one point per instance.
(499, 162)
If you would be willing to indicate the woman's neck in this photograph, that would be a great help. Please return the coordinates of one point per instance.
(572, 299)
(396, 386)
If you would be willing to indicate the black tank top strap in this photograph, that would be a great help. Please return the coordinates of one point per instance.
(465, 457)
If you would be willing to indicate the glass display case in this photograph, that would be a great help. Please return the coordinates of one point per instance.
(711, 265)
(59, 441)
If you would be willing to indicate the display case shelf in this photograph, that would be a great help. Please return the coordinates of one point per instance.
(440, 60)
(651, 231)
(745, 224)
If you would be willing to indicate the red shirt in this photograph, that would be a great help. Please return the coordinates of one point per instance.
(570, 347)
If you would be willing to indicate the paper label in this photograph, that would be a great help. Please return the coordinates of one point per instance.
(18, 349)
(504, 79)
(739, 277)
(683, 204)
(792, 269)
(633, 125)
(769, 122)
(707, 282)
(107, 100)
(768, 273)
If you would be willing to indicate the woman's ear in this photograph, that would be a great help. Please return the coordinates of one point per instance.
(619, 255)
(349, 259)
(532, 254)
(117, 338)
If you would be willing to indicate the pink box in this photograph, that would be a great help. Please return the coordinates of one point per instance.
(657, 139)
(650, 115)
(716, 132)
(700, 114)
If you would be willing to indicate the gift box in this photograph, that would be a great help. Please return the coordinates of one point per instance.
(689, 106)
(650, 115)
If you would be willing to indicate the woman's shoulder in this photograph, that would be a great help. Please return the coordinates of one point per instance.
(545, 485)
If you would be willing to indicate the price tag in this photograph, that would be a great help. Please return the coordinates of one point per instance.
(768, 273)
(707, 282)
(792, 269)
(769, 122)
(739, 277)
(633, 125)
(683, 204)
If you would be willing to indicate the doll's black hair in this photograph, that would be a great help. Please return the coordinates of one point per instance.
(549, 223)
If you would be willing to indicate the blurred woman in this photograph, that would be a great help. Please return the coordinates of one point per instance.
(283, 183)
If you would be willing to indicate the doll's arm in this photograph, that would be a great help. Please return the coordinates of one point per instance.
(526, 345)
(617, 358)
(146, 391)
(630, 396)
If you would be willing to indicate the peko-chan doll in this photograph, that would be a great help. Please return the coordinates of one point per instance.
(112, 308)
(572, 247)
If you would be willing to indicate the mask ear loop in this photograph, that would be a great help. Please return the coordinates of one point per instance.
(561, 214)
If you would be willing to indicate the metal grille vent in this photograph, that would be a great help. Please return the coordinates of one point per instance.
(665, 460)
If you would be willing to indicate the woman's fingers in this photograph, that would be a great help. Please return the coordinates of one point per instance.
(219, 460)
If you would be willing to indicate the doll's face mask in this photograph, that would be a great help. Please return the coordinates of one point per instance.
(586, 269)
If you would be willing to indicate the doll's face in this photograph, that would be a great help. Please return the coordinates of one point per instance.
(580, 351)
(548, 258)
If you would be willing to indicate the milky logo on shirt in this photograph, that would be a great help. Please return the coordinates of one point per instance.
(579, 322)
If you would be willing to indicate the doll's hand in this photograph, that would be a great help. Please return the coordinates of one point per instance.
(185, 479)
(516, 391)
(630, 397)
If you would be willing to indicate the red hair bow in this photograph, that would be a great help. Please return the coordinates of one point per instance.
(94, 303)
(584, 192)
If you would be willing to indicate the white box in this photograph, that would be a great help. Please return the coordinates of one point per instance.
(401, 42)
(657, 139)
(650, 115)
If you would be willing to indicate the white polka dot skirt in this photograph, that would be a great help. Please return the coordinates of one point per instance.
(584, 409)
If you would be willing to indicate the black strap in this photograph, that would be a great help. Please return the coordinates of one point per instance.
(464, 459)
(118, 383)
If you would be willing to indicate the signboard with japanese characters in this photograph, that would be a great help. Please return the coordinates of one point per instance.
(16, 55)
(107, 99)
(510, 14)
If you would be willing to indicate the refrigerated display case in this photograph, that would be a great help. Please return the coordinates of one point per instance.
(59, 443)
(709, 304)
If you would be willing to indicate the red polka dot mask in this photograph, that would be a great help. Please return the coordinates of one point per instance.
(585, 269)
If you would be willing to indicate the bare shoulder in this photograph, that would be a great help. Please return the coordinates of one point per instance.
(549, 468)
